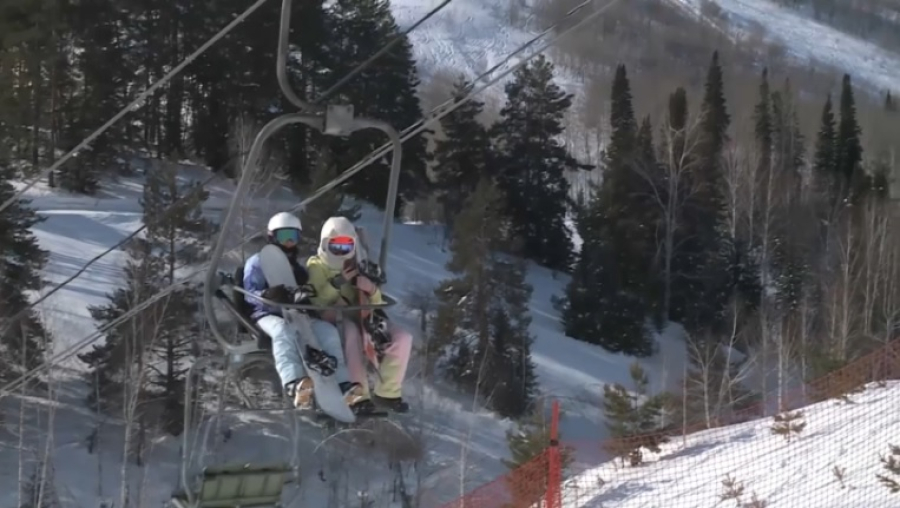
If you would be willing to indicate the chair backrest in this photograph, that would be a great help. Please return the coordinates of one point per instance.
(237, 297)
(263, 341)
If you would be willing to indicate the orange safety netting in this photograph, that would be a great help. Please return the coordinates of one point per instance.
(843, 450)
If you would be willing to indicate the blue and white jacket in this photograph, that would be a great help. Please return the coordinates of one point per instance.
(255, 283)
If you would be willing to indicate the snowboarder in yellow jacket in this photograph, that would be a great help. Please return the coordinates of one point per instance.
(334, 274)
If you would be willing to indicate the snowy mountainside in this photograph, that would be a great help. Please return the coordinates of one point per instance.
(471, 35)
(456, 434)
(807, 39)
(843, 439)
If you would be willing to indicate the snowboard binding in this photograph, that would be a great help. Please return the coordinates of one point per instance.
(320, 361)
(377, 328)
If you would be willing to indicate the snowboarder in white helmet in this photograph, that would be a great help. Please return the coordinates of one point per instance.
(284, 230)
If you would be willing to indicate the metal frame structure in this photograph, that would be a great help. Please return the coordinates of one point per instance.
(260, 485)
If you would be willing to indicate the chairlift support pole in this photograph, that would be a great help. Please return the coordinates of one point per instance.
(249, 485)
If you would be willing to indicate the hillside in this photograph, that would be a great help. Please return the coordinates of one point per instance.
(454, 445)
(831, 463)
(77, 229)
(471, 35)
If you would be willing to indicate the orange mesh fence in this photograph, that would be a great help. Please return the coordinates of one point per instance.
(833, 442)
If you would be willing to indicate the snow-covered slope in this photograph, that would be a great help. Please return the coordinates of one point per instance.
(806, 39)
(840, 439)
(457, 434)
(471, 35)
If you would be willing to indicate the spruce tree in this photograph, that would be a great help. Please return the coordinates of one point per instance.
(179, 234)
(890, 479)
(482, 319)
(39, 491)
(704, 281)
(789, 143)
(533, 162)
(109, 71)
(848, 149)
(22, 343)
(612, 280)
(762, 116)
(529, 461)
(825, 158)
(789, 163)
(633, 413)
(463, 157)
(116, 367)
(530, 438)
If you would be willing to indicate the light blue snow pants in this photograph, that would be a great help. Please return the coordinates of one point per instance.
(286, 350)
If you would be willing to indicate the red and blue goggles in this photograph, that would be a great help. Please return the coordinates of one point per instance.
(341, 245)
(285, 235)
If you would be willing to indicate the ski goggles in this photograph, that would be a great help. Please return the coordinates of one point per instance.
(286, 235)
(341, 245)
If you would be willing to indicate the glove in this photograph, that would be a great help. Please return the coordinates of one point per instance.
(278, 294)
(303, 293)
(372, 271)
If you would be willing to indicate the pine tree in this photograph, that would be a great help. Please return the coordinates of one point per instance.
(533, 163)
(482, 319)
(630, 414)
(22, 343)
(387, 91)
(463, 157)
(889, 104)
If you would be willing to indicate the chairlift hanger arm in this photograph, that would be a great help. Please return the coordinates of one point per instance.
(284, 31)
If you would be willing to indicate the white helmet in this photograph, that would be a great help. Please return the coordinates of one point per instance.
(284, 231)
(284, 220)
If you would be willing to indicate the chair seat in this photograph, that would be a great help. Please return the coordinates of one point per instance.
(239, 486)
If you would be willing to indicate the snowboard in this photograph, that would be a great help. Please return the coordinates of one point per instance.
(328, 397)
(362, 255)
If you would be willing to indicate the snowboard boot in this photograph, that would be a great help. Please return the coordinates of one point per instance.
(353, 393)
(397, 405)
(302, 393)
(363, 408)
